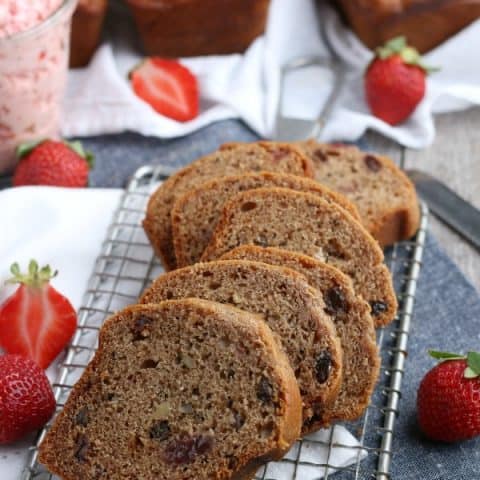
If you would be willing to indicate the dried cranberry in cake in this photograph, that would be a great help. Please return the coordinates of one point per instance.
(172, 422)
(81, 448)
(185, 448)
(372, 163)
(321, 156)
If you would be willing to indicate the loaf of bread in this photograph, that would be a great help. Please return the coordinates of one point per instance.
(383, 194)
(230, 159)
(87, 23)
(181, 389)
(186, 28)
(305, 223)
(425, 23)
(288, 304)
(195, 214)
(352, 320)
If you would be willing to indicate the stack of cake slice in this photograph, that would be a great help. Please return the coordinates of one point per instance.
(265, 330)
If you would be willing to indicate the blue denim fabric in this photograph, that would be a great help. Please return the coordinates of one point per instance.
(447, 311)
(446, 317)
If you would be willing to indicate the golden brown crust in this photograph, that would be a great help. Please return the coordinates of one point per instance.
(229, 159)
(195, 214)
(384, 196)
(185, 28)
(87, 23)
(353, 322)
(291, 308)
(305, 223)
(377, 21)
(55, 449)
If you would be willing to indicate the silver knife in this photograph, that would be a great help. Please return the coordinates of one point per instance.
(448, 206)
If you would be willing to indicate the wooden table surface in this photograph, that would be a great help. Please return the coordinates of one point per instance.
(454, 158)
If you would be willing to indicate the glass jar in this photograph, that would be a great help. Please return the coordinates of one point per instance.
(33, 72)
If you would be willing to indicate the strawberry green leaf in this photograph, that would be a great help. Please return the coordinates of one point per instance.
(469, 373)
(15, 269)
(410, 55)
(77, 147)
(397, 44)
(25, 148)
(32, 267)
(445, 355)
(35, 277)
(473, 362)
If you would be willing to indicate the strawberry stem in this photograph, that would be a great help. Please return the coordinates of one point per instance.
(77, 147)
(472, 369)
(25, 148)
(35, 277)
(445, 355)
(409, 55)
(473, 365)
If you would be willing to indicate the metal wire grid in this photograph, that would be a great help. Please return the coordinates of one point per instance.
(127, 265)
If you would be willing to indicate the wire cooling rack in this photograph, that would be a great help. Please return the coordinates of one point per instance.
(127, 265)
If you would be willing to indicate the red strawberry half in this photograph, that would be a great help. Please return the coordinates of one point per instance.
(26, 398)
(448, 401)
(36, 321)
(169, 87)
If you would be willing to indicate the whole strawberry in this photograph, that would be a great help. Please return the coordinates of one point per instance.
(50, 162)
(395, 81)
(36, 321)
(448, 400)
(26, 398)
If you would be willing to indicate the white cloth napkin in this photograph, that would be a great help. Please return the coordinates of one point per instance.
(99, 99)
(65, 228)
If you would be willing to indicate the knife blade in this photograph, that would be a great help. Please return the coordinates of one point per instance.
(448, 206)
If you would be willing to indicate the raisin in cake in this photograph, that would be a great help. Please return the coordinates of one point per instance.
(352, 319)
(305, 223)
(288, 304)
(181, 389)
(383, 194)
(195, 214)
(230, 159)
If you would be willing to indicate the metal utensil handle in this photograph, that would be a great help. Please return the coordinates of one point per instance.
(302, 62)
(448, 206)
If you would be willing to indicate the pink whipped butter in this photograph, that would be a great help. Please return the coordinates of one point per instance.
(20, 15)
(34, 50)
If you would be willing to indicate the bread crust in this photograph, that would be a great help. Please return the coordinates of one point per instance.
(305, 223)
(195, 214)
(229, 159)
(395, 215)
(288, 411)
